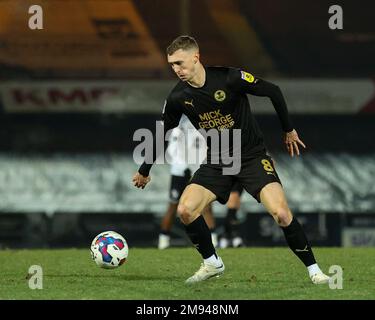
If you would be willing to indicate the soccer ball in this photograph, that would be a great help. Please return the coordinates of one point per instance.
(109, 250)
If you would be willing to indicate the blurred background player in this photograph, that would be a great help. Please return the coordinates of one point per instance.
(231, 236)
(186, 150)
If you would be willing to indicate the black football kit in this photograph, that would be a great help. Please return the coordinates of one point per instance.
(221, 104)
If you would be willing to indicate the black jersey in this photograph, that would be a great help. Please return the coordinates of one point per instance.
(222, 103)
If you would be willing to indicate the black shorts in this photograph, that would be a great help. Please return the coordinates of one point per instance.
(255, 173)
(177, 186)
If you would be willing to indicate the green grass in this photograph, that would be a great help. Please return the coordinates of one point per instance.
(251, 273)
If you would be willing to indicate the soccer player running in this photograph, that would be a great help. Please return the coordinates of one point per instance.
(215, 98)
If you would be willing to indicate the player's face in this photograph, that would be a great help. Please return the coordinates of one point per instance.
(183, 63)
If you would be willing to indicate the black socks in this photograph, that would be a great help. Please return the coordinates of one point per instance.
(200, 236)
(297, 241)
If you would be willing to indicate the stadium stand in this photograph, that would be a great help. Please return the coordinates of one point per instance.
(72, 97)
(100, 183)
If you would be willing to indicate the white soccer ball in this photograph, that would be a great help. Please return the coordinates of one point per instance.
(109, 250)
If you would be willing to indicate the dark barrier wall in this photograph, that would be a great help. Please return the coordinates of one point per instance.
(64, 230)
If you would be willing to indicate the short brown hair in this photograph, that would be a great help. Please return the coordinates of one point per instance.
(182, 42)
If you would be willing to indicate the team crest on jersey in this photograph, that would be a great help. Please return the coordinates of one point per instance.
(247, 76)
(219, 95)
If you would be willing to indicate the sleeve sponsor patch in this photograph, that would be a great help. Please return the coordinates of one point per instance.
(247, 76)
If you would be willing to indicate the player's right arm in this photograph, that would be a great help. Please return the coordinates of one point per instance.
(170, 118)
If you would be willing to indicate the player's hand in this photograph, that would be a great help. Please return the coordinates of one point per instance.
(292, 141)
(140, 181)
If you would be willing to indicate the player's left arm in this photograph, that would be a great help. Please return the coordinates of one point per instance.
(245, 82)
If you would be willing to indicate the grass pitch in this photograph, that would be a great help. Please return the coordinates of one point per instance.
(251, 274)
